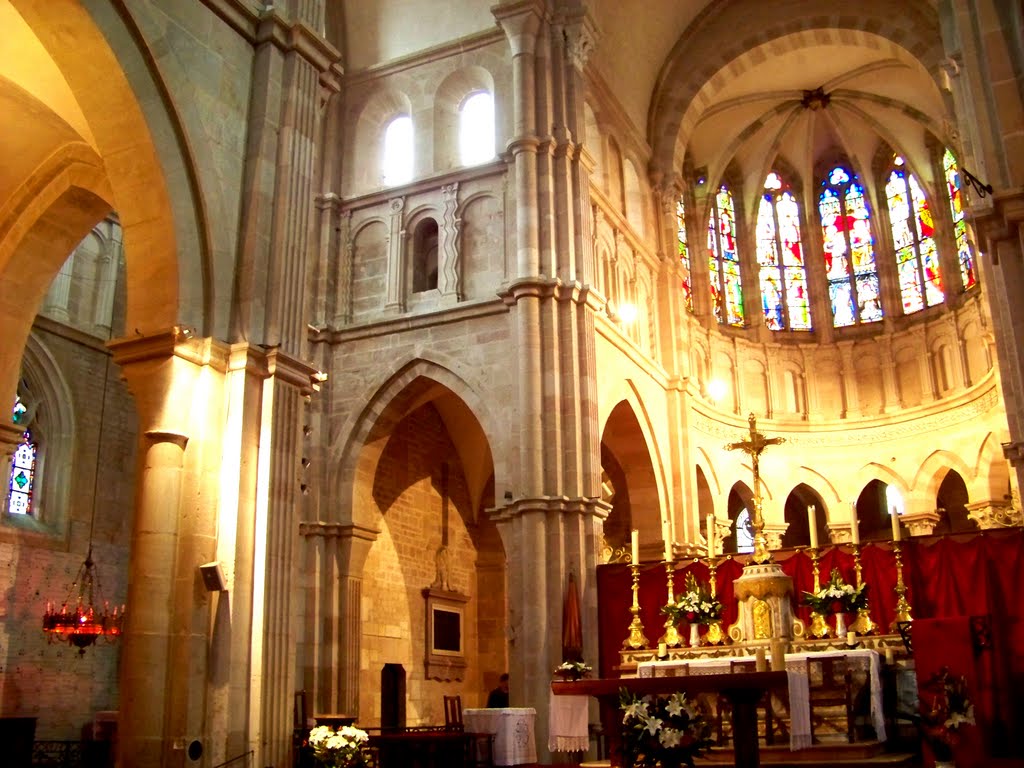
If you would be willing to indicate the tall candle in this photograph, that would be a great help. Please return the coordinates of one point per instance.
(895, 524)
(711, 535)
(812, 526)
(636, 546)
(668, 549)
(854, 525)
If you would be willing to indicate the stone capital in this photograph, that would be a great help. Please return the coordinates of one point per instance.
(920, 523)
(992, 513)
(520, 22)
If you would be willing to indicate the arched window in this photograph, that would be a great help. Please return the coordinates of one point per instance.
(397, 167)
(783, 275)
(917, 259)
(726, 288)
(424, 273)
(684, 253)
(476, 129)
(849, 250)
(23, 467)
(963, 248)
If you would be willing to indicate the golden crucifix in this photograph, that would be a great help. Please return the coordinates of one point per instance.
(753, 446)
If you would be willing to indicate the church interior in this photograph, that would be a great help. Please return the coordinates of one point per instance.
(356, 349)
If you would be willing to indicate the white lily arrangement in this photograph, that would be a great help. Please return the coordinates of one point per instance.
(662, 730)
(344, 748)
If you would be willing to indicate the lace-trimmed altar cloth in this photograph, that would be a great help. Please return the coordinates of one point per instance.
(567, 723)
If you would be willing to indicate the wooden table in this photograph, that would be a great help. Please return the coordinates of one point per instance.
(743, 690)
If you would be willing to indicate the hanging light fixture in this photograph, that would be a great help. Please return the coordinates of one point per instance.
(85, 617)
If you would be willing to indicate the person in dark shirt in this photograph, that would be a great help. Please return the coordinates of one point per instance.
(499, 696)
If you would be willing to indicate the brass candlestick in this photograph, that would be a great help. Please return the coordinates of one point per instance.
(819, 627)
(902, 606)
(636, 639)
(714, 635)
(863, 624)
(671, 638)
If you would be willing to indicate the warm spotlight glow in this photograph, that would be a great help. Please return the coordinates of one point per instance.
(717, 389)
(627, 313)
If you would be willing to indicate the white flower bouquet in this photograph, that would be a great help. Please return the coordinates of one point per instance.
(344, 748)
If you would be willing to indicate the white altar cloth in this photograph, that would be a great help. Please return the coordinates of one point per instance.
(799, 686)
(515, 742)
(567, 723)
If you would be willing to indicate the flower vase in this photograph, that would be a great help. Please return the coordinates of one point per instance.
(840, 625)
(694, 635)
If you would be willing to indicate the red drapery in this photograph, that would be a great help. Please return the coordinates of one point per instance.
(962, 575)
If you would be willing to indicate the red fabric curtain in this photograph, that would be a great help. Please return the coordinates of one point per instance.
(961, 575)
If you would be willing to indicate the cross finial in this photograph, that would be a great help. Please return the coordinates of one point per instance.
(753, 446)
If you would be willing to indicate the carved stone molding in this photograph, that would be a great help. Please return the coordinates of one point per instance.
(992, 514)
(840, 533)
(920, 523)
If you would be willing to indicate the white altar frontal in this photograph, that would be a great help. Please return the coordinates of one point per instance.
(515, 740)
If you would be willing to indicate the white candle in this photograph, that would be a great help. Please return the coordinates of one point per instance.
(812, 526)
(711, 535)
(854, 525)
(895, 524)
(851, 638)
(636, 546)
(662, 650)
(668, 550)
(760, 662)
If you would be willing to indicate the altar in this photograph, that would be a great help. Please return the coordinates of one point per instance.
(515, 742)
(742, 690)
(798, 683)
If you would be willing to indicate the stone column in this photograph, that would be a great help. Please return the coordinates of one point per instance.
(394, 299)
(449, 269)
(163, 662)
(851, 396)
(55, 304)
(335, 556)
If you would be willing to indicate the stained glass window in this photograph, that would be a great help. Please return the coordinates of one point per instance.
(744, 532)
(23, 469)
(724, 261)
(783, 275)
(849, 250)
(684, 254)
(963, 248)
(917, 259)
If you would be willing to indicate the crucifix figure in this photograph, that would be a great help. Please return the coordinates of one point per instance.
(753, 446)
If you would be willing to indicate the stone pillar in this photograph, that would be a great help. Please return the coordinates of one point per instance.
(449, 271)
(55, 304)
(164, 659)
(851, 397)
(107, 266)
(394, 299)
(335, 556)
(548, 537)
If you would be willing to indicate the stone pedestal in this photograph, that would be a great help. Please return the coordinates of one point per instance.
(765, 610)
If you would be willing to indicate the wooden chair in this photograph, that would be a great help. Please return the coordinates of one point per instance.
(830, 684)
(453, 713)
(479, 746)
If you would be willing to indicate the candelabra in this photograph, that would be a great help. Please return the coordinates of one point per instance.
(902, 605)
(714, 635)
(819, 627)
(636, 639)
(863, 624)
(671, 638)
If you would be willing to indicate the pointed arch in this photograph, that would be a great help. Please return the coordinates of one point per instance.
(418, 381)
